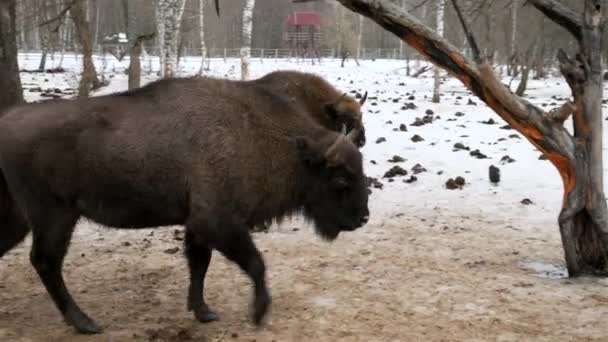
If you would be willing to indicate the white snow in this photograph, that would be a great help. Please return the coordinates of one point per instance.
(547, 270)
(527, 177)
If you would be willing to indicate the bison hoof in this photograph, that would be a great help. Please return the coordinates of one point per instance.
(206, 315)
(261, 305)
(82, 323)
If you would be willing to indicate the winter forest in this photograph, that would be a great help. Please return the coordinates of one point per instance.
(303, 170)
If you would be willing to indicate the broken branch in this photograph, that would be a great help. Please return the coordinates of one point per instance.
(562, 113)
(59, 16)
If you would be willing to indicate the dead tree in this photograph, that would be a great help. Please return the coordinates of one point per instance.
(583, 219)
(10, 83)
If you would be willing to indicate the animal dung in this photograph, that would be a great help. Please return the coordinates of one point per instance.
(494, 174)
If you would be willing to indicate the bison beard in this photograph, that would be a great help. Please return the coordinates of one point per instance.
(217, 156)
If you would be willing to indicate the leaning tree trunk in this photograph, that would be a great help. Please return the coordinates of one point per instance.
(437, 70)
(584, 217)
(246, 38)
(10, 83)
(89, 80)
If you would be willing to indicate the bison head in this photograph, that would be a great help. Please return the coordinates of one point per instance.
(345, 116)
(335, 194)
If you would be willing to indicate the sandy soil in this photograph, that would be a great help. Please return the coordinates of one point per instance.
(427, 275)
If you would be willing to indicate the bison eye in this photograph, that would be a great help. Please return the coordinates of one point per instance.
(339, 183)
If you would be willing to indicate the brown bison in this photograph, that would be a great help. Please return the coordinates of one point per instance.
(320, 100)
(214, 155)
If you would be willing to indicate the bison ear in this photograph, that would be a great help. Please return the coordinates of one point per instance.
(309, 152)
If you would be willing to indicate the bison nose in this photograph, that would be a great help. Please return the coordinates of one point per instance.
(364, 219)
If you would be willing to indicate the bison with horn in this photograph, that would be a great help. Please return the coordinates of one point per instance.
(175, 152)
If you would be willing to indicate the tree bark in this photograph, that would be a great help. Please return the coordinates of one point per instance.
(583, 220)
(10, 83)
(89, 80)
(246, 38)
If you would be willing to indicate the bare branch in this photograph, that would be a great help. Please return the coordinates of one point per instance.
(561, 15)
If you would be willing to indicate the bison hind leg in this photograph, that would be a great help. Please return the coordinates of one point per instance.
(199, 257)
(52, 228)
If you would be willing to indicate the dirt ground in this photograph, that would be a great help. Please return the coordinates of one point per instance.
(432, 276)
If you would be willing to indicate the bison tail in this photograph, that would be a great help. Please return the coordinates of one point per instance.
(13, 228)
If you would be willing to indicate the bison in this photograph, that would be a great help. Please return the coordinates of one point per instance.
(214, 155)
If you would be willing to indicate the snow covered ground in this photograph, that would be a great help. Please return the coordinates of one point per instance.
(389, 90)
(432, 264)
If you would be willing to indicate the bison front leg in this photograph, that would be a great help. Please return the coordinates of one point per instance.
(238, 247)
(235, 243)
(199, 256)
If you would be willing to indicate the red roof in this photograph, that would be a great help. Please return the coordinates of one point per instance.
(304, 18)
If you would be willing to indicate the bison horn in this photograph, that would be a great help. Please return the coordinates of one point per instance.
(362, 101)
(352, 135)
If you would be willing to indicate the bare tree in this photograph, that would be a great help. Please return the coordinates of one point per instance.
(246, 38)
(10, 83)
(578, 158)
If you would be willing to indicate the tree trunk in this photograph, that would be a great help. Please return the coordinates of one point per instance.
(10, 83)
(437, 70)
(135, 65)
(201, 24)
(135, 43)
(339, 35)
(169, 17)
(89, 80)
(523, 83)
(44, 36)
(584, 218)
(513, 49)
(246, 38)
(360, 37)
(159, 12)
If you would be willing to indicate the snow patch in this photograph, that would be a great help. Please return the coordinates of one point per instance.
(549, 271)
